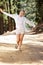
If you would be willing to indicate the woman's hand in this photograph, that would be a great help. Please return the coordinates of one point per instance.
(1, 10)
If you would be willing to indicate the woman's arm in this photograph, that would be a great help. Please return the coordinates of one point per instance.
(10, 15)
(29, 22)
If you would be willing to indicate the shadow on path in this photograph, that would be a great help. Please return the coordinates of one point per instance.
(30, 54)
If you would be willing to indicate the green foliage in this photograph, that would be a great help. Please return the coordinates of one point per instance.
(33, 9)
(30, 7)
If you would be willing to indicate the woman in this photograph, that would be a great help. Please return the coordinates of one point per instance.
(20, 21)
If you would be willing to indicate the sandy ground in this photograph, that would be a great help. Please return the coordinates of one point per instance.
(31, 54)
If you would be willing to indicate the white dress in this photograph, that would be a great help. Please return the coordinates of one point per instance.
(20, 22)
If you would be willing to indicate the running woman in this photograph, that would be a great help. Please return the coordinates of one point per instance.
(20, 21)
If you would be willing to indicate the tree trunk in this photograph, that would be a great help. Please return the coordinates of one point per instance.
(40, 10)
(9, 19)
(1, 24)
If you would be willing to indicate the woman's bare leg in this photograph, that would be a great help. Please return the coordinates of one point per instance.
(18, 38)
(21, 39)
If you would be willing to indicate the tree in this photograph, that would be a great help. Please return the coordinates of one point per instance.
(33, 9)
(1, 20)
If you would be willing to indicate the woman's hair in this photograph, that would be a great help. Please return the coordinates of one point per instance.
(20, 10)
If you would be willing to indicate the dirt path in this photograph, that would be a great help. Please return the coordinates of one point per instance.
(32, 52)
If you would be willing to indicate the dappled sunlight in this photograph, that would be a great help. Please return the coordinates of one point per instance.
(11, 39)
(20, 64)
(32, 50)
